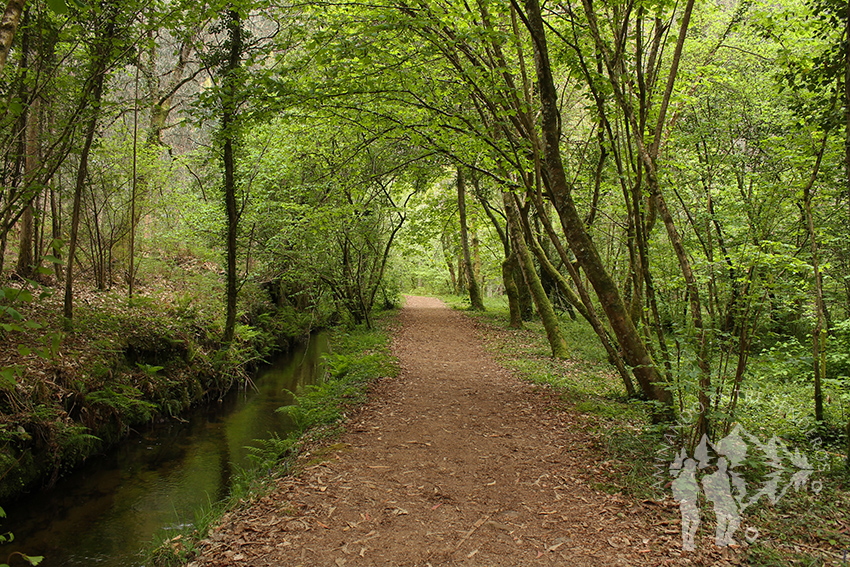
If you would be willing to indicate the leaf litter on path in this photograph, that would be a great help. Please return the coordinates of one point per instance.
(455, 461)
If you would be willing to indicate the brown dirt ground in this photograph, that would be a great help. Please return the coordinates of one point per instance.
(455, 462)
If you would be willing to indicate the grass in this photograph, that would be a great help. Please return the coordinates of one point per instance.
(806, 527)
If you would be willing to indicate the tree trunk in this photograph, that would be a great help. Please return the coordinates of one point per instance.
(56, 232)
(544, 306)
(131, 272)
(31, 167)
(228, 129)
(634, 350)
(472, 284)
(701, 427)
(508, 264)
(449, 263)
(102, 51)
(583, 303)
(8, 27)
(512, 292)
(819, 332)
(847, 159)
(24, 267)
(589, 315)
(7, 218)
(526, 302)
(847, 116)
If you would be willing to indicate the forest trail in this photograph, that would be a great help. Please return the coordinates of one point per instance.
(455, 462)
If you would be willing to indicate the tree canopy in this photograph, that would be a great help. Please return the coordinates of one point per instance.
(675, 174)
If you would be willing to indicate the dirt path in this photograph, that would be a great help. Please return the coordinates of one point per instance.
(455, 462)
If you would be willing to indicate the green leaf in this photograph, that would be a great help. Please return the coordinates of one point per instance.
(51, 258)
(59, 7)
(11, 313)
(7, 382)
(33, 559)
(55, 340)
(24, 350)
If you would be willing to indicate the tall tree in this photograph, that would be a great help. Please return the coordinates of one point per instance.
(634, 349)
(820, 330)
(101, 52)
(229, 133)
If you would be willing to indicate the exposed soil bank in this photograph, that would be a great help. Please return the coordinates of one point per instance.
(454, 462)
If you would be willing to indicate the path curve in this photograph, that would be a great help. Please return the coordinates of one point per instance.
(455, 462)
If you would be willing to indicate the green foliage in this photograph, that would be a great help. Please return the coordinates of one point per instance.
(13, 300)
(347, 375)
(270, 452)
(124, 402)
(838, 353)
(30, 559)
(149, 369)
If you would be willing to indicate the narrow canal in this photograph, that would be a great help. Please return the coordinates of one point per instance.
(106, 512)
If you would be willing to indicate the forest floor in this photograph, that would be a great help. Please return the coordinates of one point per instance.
(455, 461)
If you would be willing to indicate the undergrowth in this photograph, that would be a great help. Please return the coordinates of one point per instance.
(120, 364)
(358, 358)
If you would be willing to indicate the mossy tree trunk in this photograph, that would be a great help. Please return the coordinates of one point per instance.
(526, 262)
(508, 264)
(512, 291)
(475, 300)
(229, 132)
(634, 349)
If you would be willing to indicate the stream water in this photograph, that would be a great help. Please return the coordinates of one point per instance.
(107, 511)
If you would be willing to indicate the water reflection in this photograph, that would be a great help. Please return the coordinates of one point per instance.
(107, 511)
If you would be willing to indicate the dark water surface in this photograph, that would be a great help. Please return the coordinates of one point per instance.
(106, 512)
